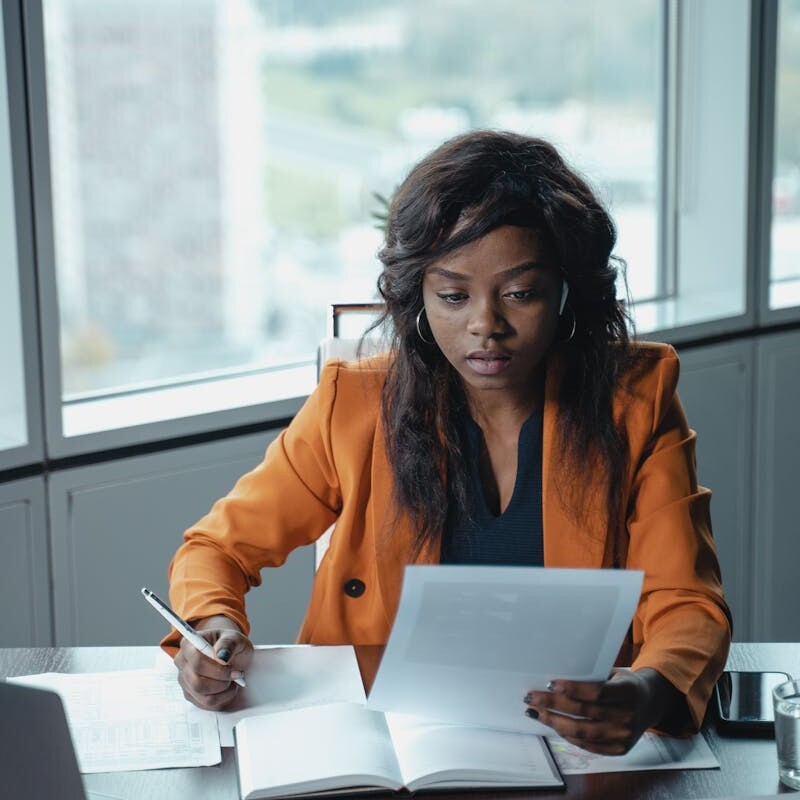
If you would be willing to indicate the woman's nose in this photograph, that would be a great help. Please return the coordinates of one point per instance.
(486, 320)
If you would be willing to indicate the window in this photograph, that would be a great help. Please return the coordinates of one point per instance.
(704, 209)
(211, 174)
(785, 240)
(216, 165)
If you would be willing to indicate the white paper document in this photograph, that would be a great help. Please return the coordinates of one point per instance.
(139, 719)
(650, 752)
(284, 678)
(131, 720)
(469, 642)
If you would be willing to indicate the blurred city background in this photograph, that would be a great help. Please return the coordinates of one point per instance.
(217, 164)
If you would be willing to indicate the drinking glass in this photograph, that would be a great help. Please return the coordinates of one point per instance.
(786, 700)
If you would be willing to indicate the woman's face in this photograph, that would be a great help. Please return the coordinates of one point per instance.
(493, 309)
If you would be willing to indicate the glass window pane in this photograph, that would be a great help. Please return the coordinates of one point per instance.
(13, 417)
(785, 267)
(215, 165)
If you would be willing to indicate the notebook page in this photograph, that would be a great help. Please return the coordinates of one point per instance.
(457, 755)
(315, 748)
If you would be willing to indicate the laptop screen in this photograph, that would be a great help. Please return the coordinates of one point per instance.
(37, 758)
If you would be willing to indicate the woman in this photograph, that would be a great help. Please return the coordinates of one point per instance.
(512, 422)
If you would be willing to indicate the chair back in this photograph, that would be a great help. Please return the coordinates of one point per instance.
(345, 347)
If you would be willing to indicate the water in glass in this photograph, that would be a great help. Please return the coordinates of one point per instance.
(787, 736)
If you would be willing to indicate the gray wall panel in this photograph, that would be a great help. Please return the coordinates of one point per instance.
(776, 533)
(116, 526)
(716, 391)
(24, 574)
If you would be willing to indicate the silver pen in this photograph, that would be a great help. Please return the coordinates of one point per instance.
(183, 627)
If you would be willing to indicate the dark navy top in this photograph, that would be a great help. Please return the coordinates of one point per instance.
(515, 536)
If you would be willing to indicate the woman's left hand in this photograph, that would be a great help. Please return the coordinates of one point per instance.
(612, 714)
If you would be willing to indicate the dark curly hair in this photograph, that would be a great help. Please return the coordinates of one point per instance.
(464, 189)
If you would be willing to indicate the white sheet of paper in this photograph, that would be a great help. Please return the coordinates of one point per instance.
(283, 678)
(131, 720)
(469, 642)
(650, 752)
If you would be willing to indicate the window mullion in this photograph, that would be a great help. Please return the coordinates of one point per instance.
(668, 149)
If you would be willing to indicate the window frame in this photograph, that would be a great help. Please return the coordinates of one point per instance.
(763, 76)
(60, 445)
(682, 147)
(24, 25)
(33, 449)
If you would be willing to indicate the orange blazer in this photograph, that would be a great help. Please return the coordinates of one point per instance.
(330, 466)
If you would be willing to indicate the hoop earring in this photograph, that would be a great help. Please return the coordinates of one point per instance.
(574, 324)
(419, 330)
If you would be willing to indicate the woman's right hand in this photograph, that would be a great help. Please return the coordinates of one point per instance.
(207, 682)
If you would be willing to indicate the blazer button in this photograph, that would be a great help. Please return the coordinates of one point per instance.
(354, 587)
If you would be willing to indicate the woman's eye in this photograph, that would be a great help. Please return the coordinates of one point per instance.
(453, 298)
(522, 294)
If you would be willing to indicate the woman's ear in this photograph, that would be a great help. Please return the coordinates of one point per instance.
(564, 293)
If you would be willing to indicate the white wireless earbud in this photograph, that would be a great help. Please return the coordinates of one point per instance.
(564, 293)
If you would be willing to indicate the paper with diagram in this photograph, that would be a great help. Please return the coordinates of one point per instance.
(131, 720)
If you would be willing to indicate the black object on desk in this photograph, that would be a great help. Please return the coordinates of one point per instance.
(744, 702)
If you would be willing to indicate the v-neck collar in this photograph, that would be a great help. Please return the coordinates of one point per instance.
(474, 437)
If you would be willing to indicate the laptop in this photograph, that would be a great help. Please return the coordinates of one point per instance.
(37, 757)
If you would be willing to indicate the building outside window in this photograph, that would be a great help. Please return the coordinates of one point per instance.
(217, 166)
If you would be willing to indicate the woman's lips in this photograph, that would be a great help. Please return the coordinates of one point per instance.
(488, 363)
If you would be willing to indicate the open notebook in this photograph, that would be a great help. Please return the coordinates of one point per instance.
(37, 758)
(348, 747)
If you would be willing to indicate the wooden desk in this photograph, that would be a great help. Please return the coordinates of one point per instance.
(748, 766)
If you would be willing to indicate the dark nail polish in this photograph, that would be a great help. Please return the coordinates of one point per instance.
(527, 699)
(532, 713)
(223, 654)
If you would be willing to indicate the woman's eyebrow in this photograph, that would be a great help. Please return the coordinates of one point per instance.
(520, 269)
(511, 272)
